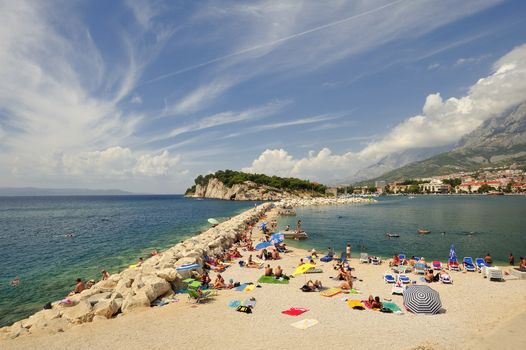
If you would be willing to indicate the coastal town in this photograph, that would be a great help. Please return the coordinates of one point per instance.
(508, 180)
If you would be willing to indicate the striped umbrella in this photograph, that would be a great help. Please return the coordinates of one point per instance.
(422, 300)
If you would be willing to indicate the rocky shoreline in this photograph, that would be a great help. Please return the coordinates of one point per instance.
(132, 289)
(306, 202)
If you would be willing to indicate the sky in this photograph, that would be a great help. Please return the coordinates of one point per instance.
(145, 95)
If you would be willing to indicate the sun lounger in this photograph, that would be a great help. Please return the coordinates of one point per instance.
(493, 273)
(468, 264)
(446, 279)
(402, 257)
(453, 265)
(480, 264)
(404, 279)
(364, 258)
(326, 258)
(376, 260)
(199, 296)
(420, 268)
(398, 288)
(437, 265)
(389, 278)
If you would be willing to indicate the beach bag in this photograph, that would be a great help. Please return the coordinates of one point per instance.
(386, 310)
(245, 309)
(305, 288)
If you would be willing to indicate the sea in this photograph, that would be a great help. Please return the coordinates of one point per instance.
(50, 241)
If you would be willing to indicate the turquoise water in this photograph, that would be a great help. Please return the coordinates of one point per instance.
(497, 223)
(110, 232)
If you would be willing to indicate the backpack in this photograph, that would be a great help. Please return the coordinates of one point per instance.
(245, 309)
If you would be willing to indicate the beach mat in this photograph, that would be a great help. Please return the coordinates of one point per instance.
(391, 306)
(272, 280)
(241, 287)
(331, 292)
(313, 270)
(249, 288)
(356, 304)
(304, 324)
(294, 311)
(234, 303)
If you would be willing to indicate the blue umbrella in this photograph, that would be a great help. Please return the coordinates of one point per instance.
(262, 245)
(263, 224)
(187, 267)
(452, 253)
(277, 238)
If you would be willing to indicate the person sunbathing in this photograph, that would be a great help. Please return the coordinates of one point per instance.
(347, 284)
(278, 272)
(251, 263)
(313, 286)
(444, 275)
(313, 253)
(140, 262)
(263, 255)
(230, 284)
(342, 274)
(79, 287)
(395, 261)
(301, 262)
(268, 270)
(275, 254)
(205, 278)
(412, 261)
(105, 275)
(219, 283)
(429, 276)
(376, 304)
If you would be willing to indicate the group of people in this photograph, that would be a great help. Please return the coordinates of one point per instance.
(522, 262)
(277, 272)
(430, 277)
(80, 285)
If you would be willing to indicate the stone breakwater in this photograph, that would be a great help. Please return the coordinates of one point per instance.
(305, 202)
(156, 279)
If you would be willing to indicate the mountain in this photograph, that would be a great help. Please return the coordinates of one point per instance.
(33, 191)
(236, 185)
(499, 141)
(394, 161)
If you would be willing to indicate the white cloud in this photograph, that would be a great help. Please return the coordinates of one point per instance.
(433, 66)
(441, 123)
(119, 163)
(136, 100)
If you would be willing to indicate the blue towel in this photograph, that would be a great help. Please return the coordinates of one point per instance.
(241, 287)
(234, 304)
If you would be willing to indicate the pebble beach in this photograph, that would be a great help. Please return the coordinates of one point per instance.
(477, 313)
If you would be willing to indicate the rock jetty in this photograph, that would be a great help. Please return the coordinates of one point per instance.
(306, 202)
(156, 279)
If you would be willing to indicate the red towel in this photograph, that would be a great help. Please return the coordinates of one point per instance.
(294, 311)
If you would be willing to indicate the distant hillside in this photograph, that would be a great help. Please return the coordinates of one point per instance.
(33, 191)
(497, 142)
(236, 185)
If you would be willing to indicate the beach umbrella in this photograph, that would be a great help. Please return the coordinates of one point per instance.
(213, 221)
(452, 253)
(303, 268)
(263, 225)
(422, 300)
(262, 245)
(277, 238)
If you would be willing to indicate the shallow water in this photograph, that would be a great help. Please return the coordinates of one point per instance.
(476, 225)
(110, 232)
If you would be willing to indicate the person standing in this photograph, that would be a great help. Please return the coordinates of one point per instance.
(511, 259)
(348, 251)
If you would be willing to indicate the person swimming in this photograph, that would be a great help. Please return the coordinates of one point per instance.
(15, 282)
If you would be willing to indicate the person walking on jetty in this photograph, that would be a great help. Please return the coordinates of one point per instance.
(298, 231)
(348, 251)
(511, 259)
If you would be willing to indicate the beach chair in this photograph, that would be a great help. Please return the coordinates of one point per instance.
(446, 279)
(404, 279)
(364, 258)
(453, 265)
(398, 288)
(480, 264)
(437, 265)
(492, 273)
(376, 260)
(420, 268)
(326, 258)
(199, 296)
(389, 278)
(402, 257)
(468, 264)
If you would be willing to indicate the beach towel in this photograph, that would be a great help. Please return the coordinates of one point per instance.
(331, 292)
(250, 302)
(314, 270)
(391, 306)
(234, 303)
(356, 304)
(367, 304)
(304, 324)
(326, 258)
(294, 311)
(273, 280)
(249, 288)
(241, 287)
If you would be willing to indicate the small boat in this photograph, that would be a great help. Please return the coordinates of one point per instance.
(423, 232)
(293, 234)
(287, 212)
(392, 235)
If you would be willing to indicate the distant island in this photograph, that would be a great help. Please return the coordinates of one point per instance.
(34, 191)
(236, 185)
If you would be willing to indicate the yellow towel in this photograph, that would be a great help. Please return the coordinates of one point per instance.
(331, 292)
(356, 304)
(249, 288)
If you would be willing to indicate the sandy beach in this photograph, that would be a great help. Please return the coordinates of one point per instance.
(479, 314)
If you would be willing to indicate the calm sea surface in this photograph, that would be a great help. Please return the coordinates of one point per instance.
(476, 225)
(112, 232)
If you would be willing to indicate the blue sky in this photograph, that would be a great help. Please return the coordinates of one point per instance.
(145, 95)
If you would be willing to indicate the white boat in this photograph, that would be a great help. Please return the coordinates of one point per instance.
(295, 235)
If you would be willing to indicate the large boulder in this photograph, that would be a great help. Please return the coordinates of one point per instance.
(52, 326)
(168, 274)
(155, 286)
(108, 307)
(96, 298)
(135, 301)
(45, 315)
(80, 313)
(16, 330)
